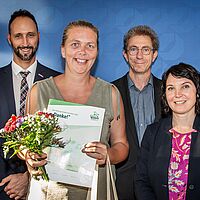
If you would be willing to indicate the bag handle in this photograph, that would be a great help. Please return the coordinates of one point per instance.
(110, 182)
(92, 192)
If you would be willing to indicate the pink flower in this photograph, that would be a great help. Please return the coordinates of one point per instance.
(40, 113)
(34, 132)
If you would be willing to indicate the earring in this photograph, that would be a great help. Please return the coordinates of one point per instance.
(197, 95)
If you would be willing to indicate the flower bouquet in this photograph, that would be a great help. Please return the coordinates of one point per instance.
(32, 132)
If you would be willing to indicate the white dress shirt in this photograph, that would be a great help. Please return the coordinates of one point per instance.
(16, 69)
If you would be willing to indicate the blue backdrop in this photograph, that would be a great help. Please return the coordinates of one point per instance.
(177, 23)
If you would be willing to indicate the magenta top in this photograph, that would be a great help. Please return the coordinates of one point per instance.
(178, 166)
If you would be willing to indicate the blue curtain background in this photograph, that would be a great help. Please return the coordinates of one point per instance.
(177, 23)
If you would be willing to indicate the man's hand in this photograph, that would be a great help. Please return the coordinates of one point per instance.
(17, 185)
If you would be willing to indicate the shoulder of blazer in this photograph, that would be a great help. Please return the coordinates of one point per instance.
(157, 96)
(43, 72)
(197, 123)
(157, 82)
(6, 75)
(120, 80)
(43, 68)
(6, 69)
(122, 84)
(159, 127)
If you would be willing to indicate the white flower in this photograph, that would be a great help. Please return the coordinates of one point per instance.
(173, 188)
(185, 157)
(179, 182)
(185, 146)
(174, 165)
(178, 173)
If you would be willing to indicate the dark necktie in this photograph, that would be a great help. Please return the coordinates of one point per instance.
(23, 92)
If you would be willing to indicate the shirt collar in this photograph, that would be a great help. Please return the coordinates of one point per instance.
(131, 83)
(17, 69)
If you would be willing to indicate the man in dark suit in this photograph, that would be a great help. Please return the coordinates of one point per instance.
(140, 92)
(23, 37)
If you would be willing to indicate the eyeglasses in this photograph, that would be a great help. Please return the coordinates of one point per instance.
(134, 50)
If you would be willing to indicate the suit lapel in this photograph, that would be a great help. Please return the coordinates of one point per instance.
(7, 87)
(39, 75)
(157, 97)
(128, 110)
(195, 147)
(163, 148)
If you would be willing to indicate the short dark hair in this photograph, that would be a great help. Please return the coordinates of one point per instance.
(21, 13)
(144, 31)
(79, 23)
(181, 70)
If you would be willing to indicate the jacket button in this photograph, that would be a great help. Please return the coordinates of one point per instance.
(191, 187)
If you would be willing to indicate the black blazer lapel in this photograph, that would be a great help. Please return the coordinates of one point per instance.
(157, 96)
(195, 147)
(130, 120)
(43, 72)
(7, 90)
(160, 156)
(122, 85)
(40, 72)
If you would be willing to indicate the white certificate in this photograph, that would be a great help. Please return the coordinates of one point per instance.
(80, 124)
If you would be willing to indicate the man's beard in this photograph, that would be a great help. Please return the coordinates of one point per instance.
(25, 57)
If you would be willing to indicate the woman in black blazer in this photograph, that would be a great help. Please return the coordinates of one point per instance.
(169, 163)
